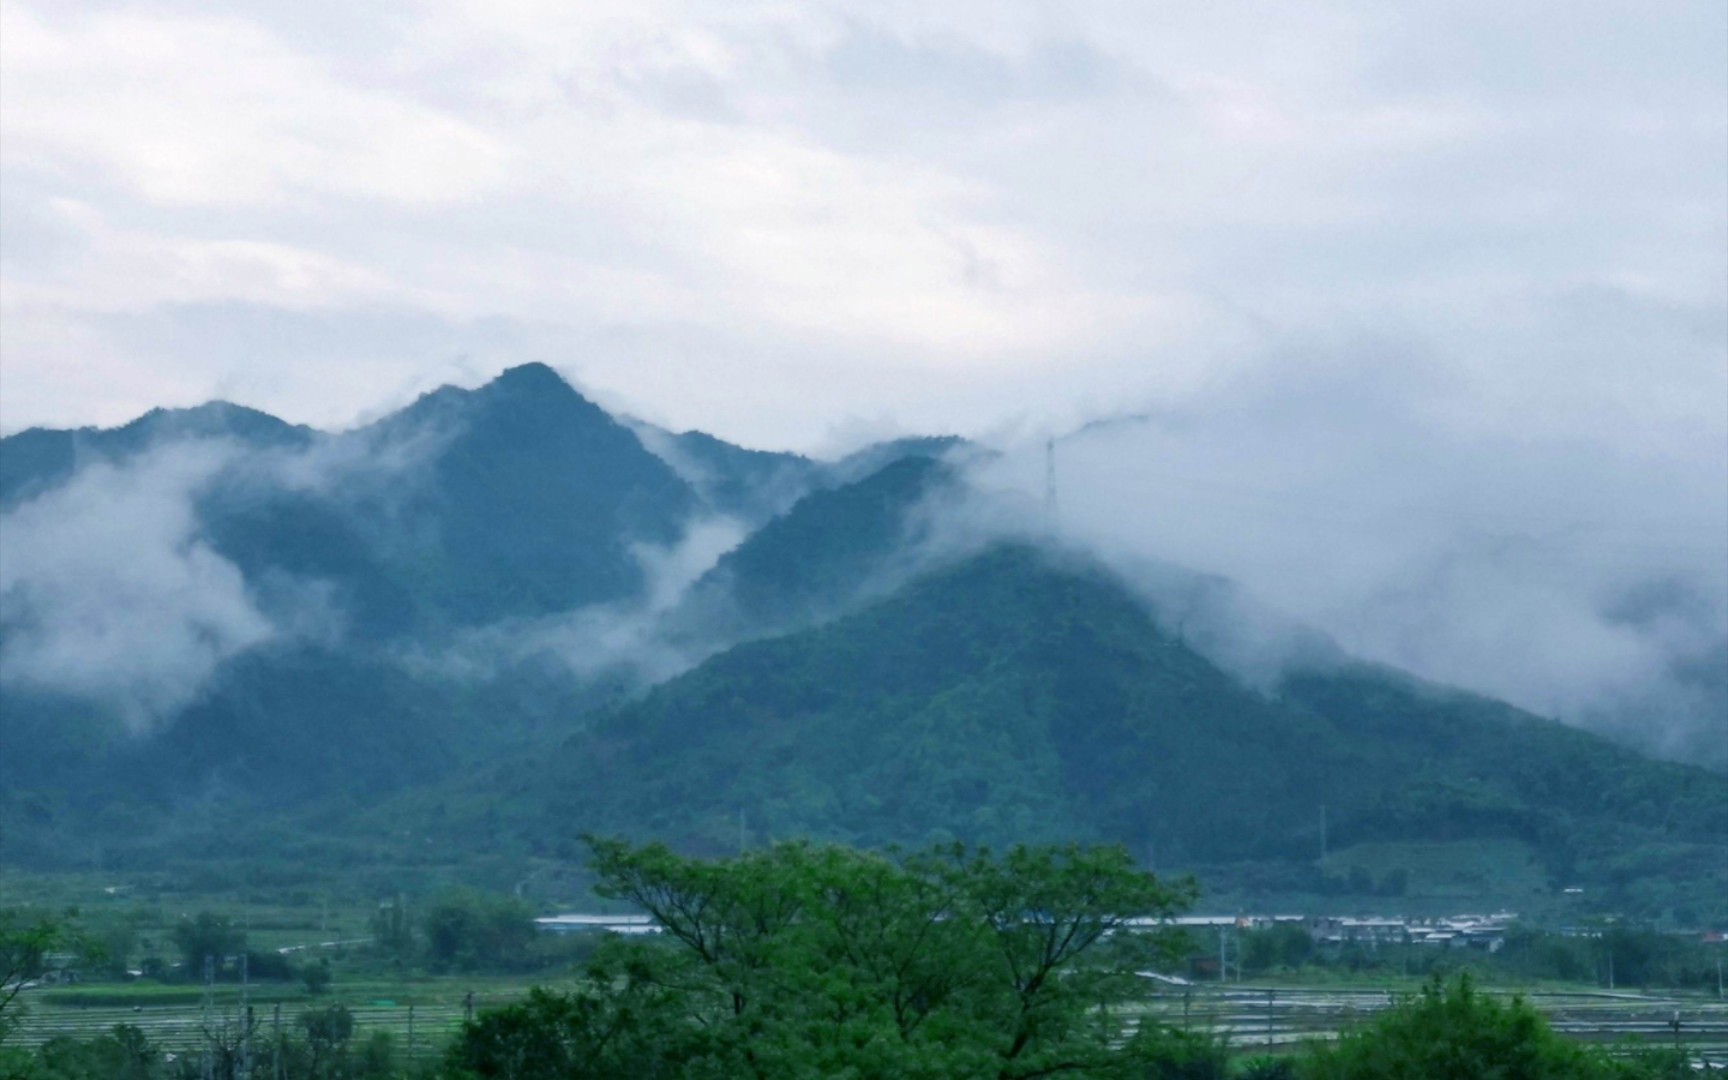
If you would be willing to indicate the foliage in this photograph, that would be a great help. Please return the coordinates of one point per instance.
(1451, 1031)
(471, 931)
(317, 976)
(207, 935)
(125, 1054)
(1017, 697)
(29, 941)
(802, 960)
(1282, 945)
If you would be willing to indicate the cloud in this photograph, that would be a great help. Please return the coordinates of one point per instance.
(218, 125)
(110, 595)
(1577, 578)
(112, 590)
(631, 641)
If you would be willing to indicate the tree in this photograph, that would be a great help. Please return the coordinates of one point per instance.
(207, 935)
(1451, 1032)
(1280, 945)
(474, 932)
(28, 941)
(327, 1033)
(316, 977)
(124, 1054)
(823, 961)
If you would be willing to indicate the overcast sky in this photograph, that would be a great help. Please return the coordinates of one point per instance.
(793, 224)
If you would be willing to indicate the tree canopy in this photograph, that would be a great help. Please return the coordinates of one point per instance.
(825, 961)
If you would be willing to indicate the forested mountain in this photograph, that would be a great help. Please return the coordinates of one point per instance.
(38, 460)
(1023, 695)
(451, 621)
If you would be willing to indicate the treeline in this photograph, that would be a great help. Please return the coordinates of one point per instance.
(1618, 956)
(458, 931)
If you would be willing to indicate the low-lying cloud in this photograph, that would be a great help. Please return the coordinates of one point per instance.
(1582, 579)
(112, 596)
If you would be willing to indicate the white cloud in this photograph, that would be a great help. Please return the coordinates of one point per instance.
(212, 112)
(110, 595)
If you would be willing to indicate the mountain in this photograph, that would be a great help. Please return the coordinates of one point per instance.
(1022, 696)
(445, 618)
(520, 498)
(832, 548)
(751, 485)
(356, 562)
(38, 460)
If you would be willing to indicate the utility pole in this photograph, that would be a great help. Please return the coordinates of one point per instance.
(245, 1018)
(208, 1065)
(1050, 507)
(1223, 963)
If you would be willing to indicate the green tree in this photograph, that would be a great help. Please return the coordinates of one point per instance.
(207, 935)
(316, 977)
(327, 1033)
(124, 1054)
(470, 931)
(29, 941)
(1451, 1032)
(1281, 945)
(627, 1030)
(822, 961)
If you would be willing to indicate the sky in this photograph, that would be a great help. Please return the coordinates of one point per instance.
(795, 223)
(1414, 318)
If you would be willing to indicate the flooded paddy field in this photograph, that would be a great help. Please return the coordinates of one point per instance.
(1278, 1017)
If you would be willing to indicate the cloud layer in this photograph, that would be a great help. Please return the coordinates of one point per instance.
(779, 222)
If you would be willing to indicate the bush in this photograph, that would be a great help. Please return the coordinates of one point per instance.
(1451, 1032)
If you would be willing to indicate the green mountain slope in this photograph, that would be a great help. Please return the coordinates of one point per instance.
(831, 548)
(1012, 698)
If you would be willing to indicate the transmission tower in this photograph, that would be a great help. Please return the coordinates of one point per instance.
(1050, 508)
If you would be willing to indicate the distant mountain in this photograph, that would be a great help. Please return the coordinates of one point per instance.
(752, 485)
(40, 459)
(872, 458)
(360, 551)
(527, 503)
(833, 548)
(1016, 697)
(447, 612)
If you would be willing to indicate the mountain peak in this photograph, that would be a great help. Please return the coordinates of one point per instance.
(533, 376)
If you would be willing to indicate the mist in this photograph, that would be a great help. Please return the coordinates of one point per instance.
(1585, 580)
(110, 595)
(632, 642)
